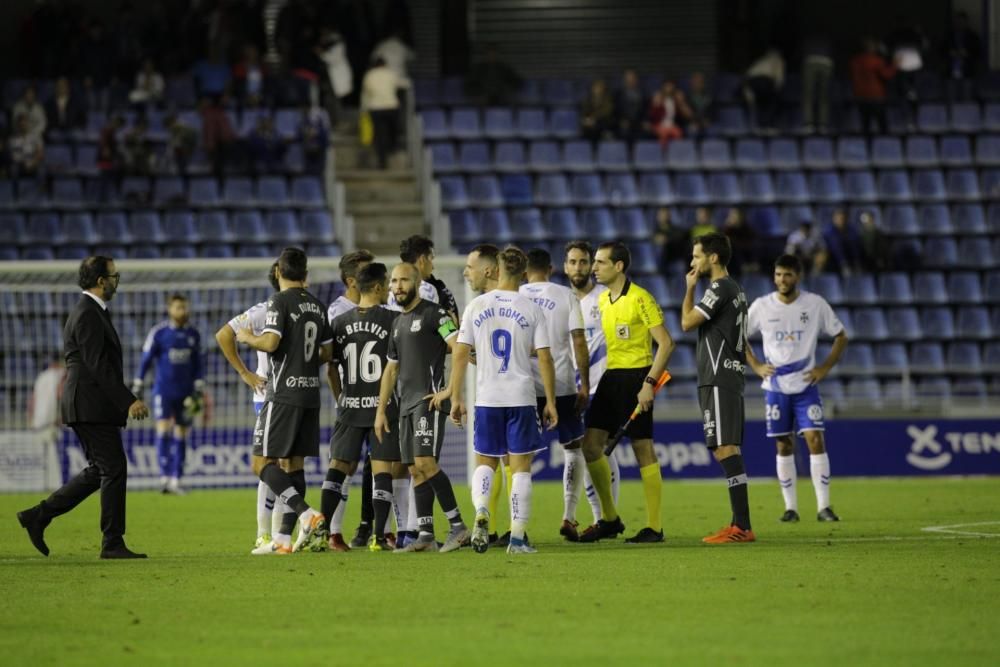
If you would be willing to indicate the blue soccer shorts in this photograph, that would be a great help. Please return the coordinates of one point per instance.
(501, 431)
(570, 426)
(169, 407)
(793, 413)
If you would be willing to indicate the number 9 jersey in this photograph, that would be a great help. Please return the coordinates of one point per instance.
(300, 320)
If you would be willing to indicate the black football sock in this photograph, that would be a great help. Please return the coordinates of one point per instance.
(299, 481)
(367, 509)
(381, 502)
(330, 497)
(738, 497)
(424, 494)
(283, 486)
(446, 497)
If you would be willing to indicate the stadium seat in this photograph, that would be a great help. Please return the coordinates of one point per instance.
(724, 188)
(167, 190)
(928, 185)
(991, 357)
(271, 191)
(937, 323)
(179, 227)
(8, 198)
(184, 251)
(564, 123)
(632, 224)
(562, 224)
(894, 289)
(647, 156)
(682, 361)
(144, 251)
(974, 322)
(444, 160)
(934, 220)
(962, 184)
(932, 118)
(990, 183)
(904, 324)
(249, 227)
(655, 189)
(828, 286)
(587, 190)
(926, 357)
(988, 150)
(484, 191)
(110, 228)
(825, 187)
(852, 153)
(453, 193)
(817, 153)
(758, 187)
(255, 250)
(751, 154)
(317, 226)
(791, 187)
(612, 156)
(545, 156)
(42, 229)
(58, 158)
(30, 193)
(860, 290)
(887, 152)
(731, 121)
(526, 225)
(598, 225)
(474, 157)
(859, 186)
(901, 220)
(858, 359)
(74, 252)
(977, 253)
(965, 287)
(783, 153)
(307, 191)
(516, 189)
(558, 92)
(891, 358)
(146, 227)
(870, 324)
(715, 154)
(644, 258)
(691, 188)
(78, 228)
(956, 151)
(965, 117)
(894, 185)
(67, 193)
(213, 227)
(621, 189)
(38, 253)
(453, 91)
(498, 123)
(237, 192)
(929, 286)
(964, 358)
(531, 124)
(992, 288)
(552, 190)
(203, 192)
(463, 123)
(682, 154)
(941, 253)
(435, 124)
(464, 226)
(284, 225)
(495, 222)
(754, 286)
(509, 156)
(578, 155)
(921, 151)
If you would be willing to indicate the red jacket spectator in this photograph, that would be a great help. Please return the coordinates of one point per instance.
(869, 73)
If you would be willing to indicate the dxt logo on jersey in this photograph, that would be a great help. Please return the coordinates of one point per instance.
(927, 453)
(793, 336)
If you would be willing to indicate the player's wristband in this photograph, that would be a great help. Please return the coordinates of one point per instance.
(650, 381)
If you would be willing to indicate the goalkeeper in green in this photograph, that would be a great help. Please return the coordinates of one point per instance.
(173, 347)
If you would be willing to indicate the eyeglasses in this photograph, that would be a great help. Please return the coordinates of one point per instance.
(114, 276)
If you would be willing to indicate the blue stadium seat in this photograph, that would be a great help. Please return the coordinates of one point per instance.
(612, 156)
(655, 189)
(516, 189)
(751, 154)
(932, 118)
(682, 361)
(587, 190)
(484, 191)
(894, 289)
(921, 151)
(58, 158)
(731, 121)
(544, 156)
(974, 322)
(307, 191)
(498, 123)
(941, 253)
(283, 224)
(111, 227)
(203, 192)
(67, 193)
(558, 92)
(85, 162)
(791, 187)
(564, 123)
(42, 229)
(891, 357)
(976, 252)
(509, 156)
(859, 186)
(894, 185)
(144, 251)
(621, 189)
(926, 357)
(146, 227)
(578, 155)
(871, 324)
(217, 250)
(682, 154)
(644, 258)
(990, 183)
(464, 226)
(463, 123)
(443, 157)
(427, 92)
(965, 117)
(906, 252)
(988, 150)
(930, 287)
(758, 187)
(817, 153)
(453, 91)
(78, 228)
(562, 224)
(991, 117)
(38, 253)
(530, 93)
(858, 359)
(531, 124)
(8, 253)
(904, 324)
(183, 251)
(828, 286)
(72, 252)
(260, 250)
(860, 289)
(249, 226)
(552, 190)
(937, 323)
(991, 357)
(887, 152)
(213, 227)
(934, 220)
(715, 154)
(956, 151)
(724, 188)
(474, 157)
(7, 197)
(901, 220)
(825, 186)
(526, 225)
(793, 216)
(435, 124)
(690, 188)
(783, 153)
(992, 287)
(964, 358)
(852, 153)
(754, 286)
(30, 193)
(272, 191)
(495, 225)
(168, 190)
(237, 192)
(963, 185)
(598, 225)
(928, 185)
(179, 227)
(453, 194)
(647, 156)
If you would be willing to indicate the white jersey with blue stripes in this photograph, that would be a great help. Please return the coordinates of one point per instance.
(591, 313)
(561, 309)
(254, 318)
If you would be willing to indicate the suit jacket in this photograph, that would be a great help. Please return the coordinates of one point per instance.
(95, 390)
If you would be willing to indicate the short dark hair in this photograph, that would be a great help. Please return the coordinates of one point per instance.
(272, 277)
(176, 296)
(487, 251)
(293, 264)
(583, 246)
(539, 259)
(618, 252)
(414, 247)
(789, 262)
(351, 263)
(715, 243)
(371, 277)
(514, 260)
(91, 269)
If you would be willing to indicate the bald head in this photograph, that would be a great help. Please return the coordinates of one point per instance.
(403, 284)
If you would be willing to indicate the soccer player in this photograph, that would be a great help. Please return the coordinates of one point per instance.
(360, 345)
(790, 321)
(173, 347)
(268, 521)
(504, 327)
(721, 319)
(421, 337)
(568, 346)
(578, 267)
(632, 322)
(298, 339)
(418, 250)
(351, 265)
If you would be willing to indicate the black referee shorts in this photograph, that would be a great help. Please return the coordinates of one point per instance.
(723, 416)
(614, 401)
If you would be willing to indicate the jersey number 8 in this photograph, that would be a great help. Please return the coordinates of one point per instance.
(311, 332)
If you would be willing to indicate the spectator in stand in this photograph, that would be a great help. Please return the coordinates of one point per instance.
(806, 243)
(874, 245)
(138, 149)
(908, 45)
(666, 111)
(148, 89)
(64, 113)
(963, 56)
(27, 151)
(397, 55)
(250, 78)
(765, 79)
(333, 53)
(314, 137)
(743, 240)
(702, 223)
(673, 242)
(843, 244)
(29, 108)
(97, 64)
(491, 80)
(869, 74)
(630, 107)
(265, 148)
(378, 98)
(109, 157)
(217, 135)
(181, 142)
(700, 102)
(817, 72)
(597, 113)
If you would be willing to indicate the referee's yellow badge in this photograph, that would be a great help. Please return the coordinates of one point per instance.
(622, 331)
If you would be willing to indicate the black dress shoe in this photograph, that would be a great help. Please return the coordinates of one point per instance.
(122, 552)
(31, 520)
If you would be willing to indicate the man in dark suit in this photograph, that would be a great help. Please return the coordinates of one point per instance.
(96, 403)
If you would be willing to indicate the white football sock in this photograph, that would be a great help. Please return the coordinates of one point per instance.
(819, 468)
(280, 509)
(786, 478)
(265, 506)
(482, 480)
(592, 497)
(337, 520)
(412, 524)
(520, 504)
(573, 469)
(616, 477)
(401, 501)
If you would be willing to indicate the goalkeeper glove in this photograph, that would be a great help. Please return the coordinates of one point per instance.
(195, 403)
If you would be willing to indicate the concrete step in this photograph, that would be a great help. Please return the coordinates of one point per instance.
(381, 234)
(350, 175)
(371, 209)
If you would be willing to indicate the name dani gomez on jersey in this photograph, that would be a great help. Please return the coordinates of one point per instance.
(503, 311)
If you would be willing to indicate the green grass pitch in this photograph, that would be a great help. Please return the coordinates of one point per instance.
(874, 589)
